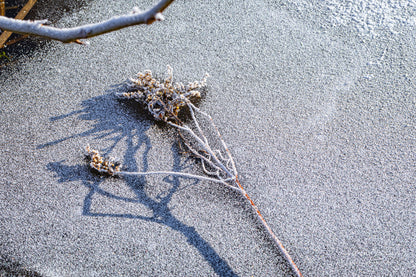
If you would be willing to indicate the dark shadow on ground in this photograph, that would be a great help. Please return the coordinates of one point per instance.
(53, 10)
(9, 267)
(120, 122)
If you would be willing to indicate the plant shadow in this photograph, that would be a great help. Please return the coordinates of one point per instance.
(119, 122)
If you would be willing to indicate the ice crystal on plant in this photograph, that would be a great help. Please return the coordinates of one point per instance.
(164, 99)
(102, 164)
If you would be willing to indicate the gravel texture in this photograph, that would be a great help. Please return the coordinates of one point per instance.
(316, 100)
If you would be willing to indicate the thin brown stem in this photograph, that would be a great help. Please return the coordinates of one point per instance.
(270, 231)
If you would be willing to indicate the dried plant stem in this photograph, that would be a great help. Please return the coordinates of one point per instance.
(241, 190)
(270, 231)
(179, 174)
(203, 142)
(224, 145)
(163, 101)
(204, 145)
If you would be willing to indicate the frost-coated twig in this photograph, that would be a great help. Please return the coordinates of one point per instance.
(270, 231)
(244, 193)
(179, 174)
(202, 158)
(164, 100)
(205, 146)
(38, 28)
(192, 107)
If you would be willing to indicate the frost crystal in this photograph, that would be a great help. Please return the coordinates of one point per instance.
(164, 99)
(102, 164)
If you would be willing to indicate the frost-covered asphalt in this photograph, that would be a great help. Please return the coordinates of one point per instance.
(316, 100)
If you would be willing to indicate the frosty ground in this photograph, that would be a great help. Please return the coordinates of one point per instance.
(316, 105)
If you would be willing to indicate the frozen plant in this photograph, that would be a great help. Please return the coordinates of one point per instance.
(102, 164)
(164, 100)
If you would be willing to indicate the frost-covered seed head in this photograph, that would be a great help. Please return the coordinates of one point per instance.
(102, 164)
(164, 99)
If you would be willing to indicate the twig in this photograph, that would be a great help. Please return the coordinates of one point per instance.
(244, 193)
(20, 15)
(192, 106)
(270, 231)
(205, 146)
(66, 35)
(2, 7)
(179, 174)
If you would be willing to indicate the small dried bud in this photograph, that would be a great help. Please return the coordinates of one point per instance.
(102, 165)
(159, 17)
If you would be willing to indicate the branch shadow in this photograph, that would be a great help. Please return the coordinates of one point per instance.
(10, 267)
(117, 121)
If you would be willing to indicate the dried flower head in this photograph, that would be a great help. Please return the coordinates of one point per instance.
(102, 164)
(164, 99)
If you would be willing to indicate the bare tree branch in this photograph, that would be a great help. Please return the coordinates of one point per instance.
(38, 28)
